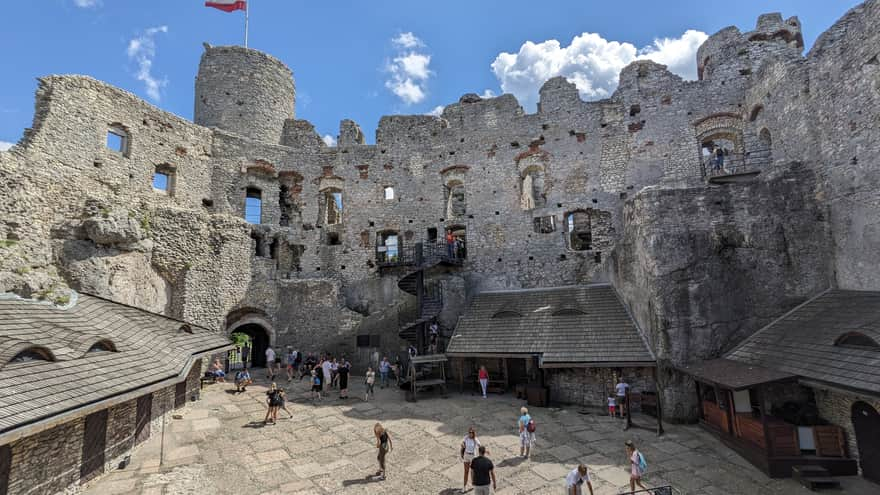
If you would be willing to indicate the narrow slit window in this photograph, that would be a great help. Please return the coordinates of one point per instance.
(253, 206)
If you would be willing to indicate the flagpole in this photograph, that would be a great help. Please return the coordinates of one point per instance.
(247, 7)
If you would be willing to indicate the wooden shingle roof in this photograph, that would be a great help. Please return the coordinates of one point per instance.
(803, 342)
(149, 348)
(578, 325)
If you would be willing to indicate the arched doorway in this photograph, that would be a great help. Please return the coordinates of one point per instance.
(866, 422)
(259, 342)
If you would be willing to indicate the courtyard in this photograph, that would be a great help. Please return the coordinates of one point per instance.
(219, 445)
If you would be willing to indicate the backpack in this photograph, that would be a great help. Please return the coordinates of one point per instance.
(530, 427)
(643, 465)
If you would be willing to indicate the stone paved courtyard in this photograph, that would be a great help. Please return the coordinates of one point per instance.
(220, 446)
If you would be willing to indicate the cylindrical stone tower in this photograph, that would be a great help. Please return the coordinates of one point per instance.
(244, 91)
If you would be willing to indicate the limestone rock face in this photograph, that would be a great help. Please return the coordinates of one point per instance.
(113, 230)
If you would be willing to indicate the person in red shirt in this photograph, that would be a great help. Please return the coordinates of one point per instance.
(484, 379)
(450, 244)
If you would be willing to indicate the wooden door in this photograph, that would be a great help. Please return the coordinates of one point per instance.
(142, 419)
(866, 422)
(180, 393)
(94, 445)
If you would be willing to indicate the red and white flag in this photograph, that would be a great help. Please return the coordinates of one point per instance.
(227, 5)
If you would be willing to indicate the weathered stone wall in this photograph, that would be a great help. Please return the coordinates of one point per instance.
(704, 267)
(591, 387)
(47, 462)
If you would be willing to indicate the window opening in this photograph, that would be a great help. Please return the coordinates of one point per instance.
(388, 248)
(32, 354)
(253, 206)
(117, 139)
(579, 230)
(389, 192)
(857, 340)
(455, 199)
(333, 239)
(333, 207)
(545, 225)
(432, 234)
(160, 181)
(532, 190)
(102, 346)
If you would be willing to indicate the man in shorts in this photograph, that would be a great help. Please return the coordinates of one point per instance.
(483, 471)
(270, 363)
(526, 437)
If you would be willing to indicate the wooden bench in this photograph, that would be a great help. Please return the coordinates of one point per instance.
(206, 379)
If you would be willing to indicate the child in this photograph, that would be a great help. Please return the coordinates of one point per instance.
(316, 385)
(612, 406)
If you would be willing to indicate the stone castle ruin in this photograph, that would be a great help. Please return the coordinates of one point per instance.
(244, 220)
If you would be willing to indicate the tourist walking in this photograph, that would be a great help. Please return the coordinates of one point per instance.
(274, 402)
(526, 426)
(369, 380)
(384, 444)
(270, 363)
(483, 377)
(469, 447)
(308, 366)
(282, 403)
(384, 368)
(621, 389)
(612, 406)
(342, 373)
(483, 470)
(316, 384)
(638, 466)
(297, 363)
(242, 380)
(576, 479)
(334, 373)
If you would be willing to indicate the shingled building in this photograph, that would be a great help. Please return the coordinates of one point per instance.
(83, 386)
(575, 340)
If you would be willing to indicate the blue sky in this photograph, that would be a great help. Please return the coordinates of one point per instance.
(359, 59)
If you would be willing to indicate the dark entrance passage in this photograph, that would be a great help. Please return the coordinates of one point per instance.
(866, 422)
(94, 443)
(259, 342)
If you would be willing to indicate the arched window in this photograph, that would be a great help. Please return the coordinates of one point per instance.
(186, 329)
(253, 206)
(117, 139)
(579, 230)
(389, 192)
(857, 340)
(102, 346)
(33, 354)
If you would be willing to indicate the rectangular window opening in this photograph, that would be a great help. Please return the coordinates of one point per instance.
(253, 206)
(117, 140)
(545, 225)
(389, 192)
(161, 181)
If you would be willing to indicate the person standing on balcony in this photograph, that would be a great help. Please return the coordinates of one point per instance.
(450, 244)
(433, 334)
(719, 158)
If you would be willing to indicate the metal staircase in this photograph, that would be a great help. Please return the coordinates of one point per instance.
(412, 325)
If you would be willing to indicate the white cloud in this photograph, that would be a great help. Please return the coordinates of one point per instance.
(5, 145)
(436, 111)
(329, 140)
(407, 40)
(488, 93)
(142, 50)
(409, 71)
(591, 62)
(87, 4)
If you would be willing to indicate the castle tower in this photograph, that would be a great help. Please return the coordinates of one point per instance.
(244, 91)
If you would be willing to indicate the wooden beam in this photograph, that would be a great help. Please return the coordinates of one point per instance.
(767, 440)
(659, 404)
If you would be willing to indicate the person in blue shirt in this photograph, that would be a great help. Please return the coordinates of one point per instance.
(526, 437)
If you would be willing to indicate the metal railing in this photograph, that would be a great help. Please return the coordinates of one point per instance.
(433, 251)
(737, 163)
